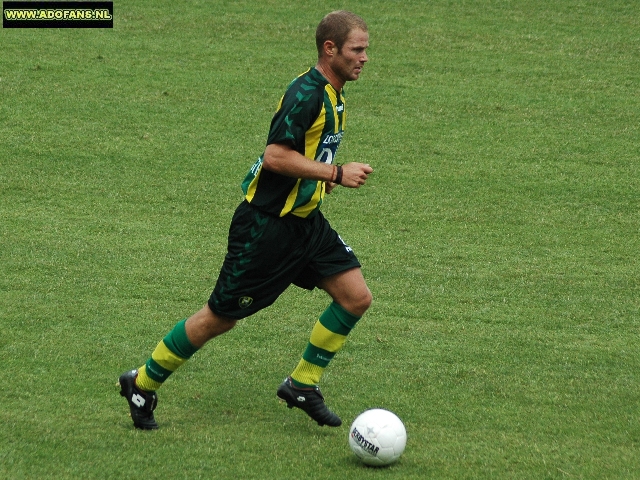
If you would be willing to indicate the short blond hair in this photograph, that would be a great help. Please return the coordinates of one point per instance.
(336, 26)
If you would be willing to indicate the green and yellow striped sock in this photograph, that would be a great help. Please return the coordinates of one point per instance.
(327, 338)
(171, 352)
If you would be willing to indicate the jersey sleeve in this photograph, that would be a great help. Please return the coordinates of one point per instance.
(297, 112)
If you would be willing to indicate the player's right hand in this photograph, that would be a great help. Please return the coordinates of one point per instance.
(355, 174)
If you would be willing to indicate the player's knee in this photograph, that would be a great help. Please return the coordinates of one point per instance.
(361, 302)
(205, 325)
(367, 299)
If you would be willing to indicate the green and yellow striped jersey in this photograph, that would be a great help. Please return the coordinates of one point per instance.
(310, 118)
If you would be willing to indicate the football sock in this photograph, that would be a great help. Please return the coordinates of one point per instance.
(327, 338)
(171, 352)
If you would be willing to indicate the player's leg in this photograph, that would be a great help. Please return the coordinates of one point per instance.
(185, 339)
(246, 284)
(205, 325)
(334, 268)
(178, 346)
(351, 298)
(187, 336)
(349, 290)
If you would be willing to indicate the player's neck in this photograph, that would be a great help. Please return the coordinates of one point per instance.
(331, 77)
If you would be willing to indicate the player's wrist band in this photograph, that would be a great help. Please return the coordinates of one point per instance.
(338, 179)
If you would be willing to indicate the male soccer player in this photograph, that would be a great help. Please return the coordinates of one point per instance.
(279, 237)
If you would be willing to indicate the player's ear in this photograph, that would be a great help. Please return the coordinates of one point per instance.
(329, 48)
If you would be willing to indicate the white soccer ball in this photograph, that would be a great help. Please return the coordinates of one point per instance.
(377, 437)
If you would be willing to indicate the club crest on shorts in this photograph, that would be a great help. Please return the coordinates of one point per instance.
(245, 302)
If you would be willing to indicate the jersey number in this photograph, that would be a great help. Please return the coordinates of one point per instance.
(326, 156)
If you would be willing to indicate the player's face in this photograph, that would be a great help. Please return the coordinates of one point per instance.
(348, 62)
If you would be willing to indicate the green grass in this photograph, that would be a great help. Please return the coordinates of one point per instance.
(499, 235)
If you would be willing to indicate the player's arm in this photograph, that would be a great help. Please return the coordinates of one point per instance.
(284, 160)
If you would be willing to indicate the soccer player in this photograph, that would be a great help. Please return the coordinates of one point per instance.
(279, 237)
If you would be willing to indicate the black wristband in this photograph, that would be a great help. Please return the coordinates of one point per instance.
(339, 175)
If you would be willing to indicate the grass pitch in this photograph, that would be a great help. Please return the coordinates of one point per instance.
(499, 235)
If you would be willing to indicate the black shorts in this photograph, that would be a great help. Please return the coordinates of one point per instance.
(266, 254)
